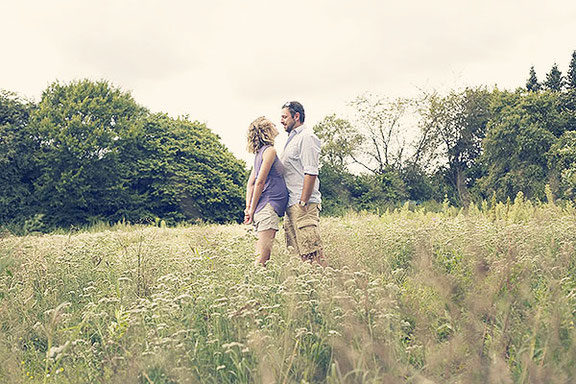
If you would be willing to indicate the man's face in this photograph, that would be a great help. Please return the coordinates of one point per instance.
(287, 120)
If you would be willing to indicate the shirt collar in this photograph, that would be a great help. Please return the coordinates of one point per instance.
(293, 134)
(297, 130)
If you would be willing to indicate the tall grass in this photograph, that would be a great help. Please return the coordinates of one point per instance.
(482, 296)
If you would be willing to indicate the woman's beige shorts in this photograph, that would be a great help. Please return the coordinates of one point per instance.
(266, 219)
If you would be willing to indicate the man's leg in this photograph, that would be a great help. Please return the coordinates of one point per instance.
(307, 234)
(315, 257)
(320, 259)
(290, 230)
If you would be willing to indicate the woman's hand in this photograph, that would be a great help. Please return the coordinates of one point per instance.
(248, 216)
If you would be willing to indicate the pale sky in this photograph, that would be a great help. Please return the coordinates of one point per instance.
(226, 63)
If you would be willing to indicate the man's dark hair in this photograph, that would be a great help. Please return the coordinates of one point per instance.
(293, 107)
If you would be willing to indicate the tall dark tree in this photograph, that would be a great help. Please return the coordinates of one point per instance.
(532, 83)
(554, 79)
(571, 78)
(17, 159)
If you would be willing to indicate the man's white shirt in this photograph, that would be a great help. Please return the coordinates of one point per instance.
(301, 156)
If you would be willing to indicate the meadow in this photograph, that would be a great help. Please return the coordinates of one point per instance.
(486, 295)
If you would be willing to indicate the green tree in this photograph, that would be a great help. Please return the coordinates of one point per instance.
(571, 79)
(381, 124)
(17, 159)
(104, 157)
(453, 128)
(419, 186)
(80, 129)
(372, 191)
(520, 133)
(336, 185)
(554, 79)
(370, 149)
(532, 83)
(562, 162)
(184, 172)
(567, 110)
(340, 142)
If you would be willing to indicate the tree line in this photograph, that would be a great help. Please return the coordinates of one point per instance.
(465, 146)
(87, 152)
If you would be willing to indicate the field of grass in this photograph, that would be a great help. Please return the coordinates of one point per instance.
(483, 296)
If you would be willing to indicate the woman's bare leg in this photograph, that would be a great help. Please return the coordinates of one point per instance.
(264, 246)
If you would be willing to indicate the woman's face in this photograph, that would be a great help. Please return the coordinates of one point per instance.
(274, 131)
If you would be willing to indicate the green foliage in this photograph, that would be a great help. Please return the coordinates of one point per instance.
(380, 122)
(343, 191)
(532, 83)
(554, 79)
(567, 109)
(419, 186)
(341, 147)
(562, 162)
(80, 129)
(473, 144)
(183, 172)
(89, 153)
(18, 162)
(335, 187)
(341, 142)
(571, 77)
(522, 130)
(453, 128)
(371, 192)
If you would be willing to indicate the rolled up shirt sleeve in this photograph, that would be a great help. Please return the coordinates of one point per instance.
(310, 154)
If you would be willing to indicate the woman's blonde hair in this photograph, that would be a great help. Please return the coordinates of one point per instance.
(260, 133)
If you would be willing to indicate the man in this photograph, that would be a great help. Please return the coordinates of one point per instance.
(300, 161)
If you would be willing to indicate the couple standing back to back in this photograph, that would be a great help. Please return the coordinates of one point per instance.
(287, 185)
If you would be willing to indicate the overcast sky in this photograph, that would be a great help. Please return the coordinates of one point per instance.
(227, 62)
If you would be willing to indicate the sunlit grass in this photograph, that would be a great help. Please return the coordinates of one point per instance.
(487, 295)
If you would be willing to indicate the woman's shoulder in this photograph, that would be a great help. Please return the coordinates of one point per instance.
(268, 150)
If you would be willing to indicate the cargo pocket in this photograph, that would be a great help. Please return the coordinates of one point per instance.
(307, 218)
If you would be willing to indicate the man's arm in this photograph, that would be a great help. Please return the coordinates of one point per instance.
(309, 181)
(310, 160)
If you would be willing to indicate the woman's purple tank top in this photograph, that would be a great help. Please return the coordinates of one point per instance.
(275, 191)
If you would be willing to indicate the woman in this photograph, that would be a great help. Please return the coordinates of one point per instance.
(266, 193)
